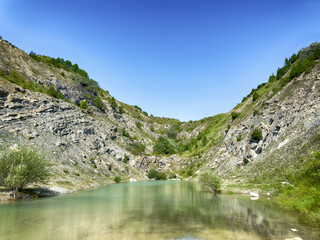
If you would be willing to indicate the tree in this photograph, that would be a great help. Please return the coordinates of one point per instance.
(209, 180)
(20, 167)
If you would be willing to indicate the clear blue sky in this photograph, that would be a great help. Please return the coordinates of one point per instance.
(185, 59)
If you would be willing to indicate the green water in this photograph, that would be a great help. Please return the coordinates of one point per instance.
(148, 210)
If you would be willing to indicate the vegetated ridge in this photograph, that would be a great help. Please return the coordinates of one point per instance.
(91, 138)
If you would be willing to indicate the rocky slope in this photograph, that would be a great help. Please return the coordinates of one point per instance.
(89, 146)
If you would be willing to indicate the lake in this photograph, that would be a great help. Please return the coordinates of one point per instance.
(148, 210)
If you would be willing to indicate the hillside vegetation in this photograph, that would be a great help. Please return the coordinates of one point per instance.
(269, 138)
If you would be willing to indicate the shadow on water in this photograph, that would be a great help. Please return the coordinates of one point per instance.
(148, 210)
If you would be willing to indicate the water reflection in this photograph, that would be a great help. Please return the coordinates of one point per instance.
(148, 210)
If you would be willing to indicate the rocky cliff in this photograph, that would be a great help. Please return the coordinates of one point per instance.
(41, 105)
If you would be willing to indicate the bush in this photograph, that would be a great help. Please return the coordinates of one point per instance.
(255, 112)
(63, 74)
(139, 125)
(117, 179)
(126, 159)
(138, 148)
(121, 110)
(209, 180)
(98, 103)
(272, 78)
(255, 96)
(83, 104)
(234, 115)
(256, 135)
(20, 167)
(154, 174)
(164, 146)
(113, 102)
(52, 92)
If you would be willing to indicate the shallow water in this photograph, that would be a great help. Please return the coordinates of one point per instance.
(148, 210)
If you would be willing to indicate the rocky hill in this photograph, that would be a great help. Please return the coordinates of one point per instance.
(90, 137)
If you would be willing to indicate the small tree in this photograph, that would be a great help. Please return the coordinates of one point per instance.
(209, 180)
(20, 167)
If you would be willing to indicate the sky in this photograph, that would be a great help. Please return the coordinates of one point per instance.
(184, 59)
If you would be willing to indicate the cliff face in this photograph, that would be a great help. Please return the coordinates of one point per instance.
(90, 146)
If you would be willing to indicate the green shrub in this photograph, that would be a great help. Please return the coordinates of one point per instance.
(83, 104)
(52, 92)
(121, 110)
(255, 112)
(113, 102)
(20, 167)
(138, 148)
(98, 103)
(239, 138)
(125, 133)
(135, 106)
(272, 78)
(164, 146)
(282, 71)
(60, 95)
(62, 74)
(255, 96)
(139, 125)
(209, 180)
(154, 174)
(126, 159)
(256, 135)
(117, 179)
(234, 115)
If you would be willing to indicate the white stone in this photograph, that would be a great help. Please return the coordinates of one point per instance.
(132, 180)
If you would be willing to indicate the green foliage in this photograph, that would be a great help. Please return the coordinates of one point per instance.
(282, 71)
(138, 148)
(20, 167)
(272, 78)
(59, 63)
(135, 106)
(234, 115)
(173, 131)
(209, 180)
(121, 110)
(125, 133)
(126, 158)
(117, 179)
(300, 67)
(255, 112)
(164, 146)
(83, 104)
(60, 95)
(98, 103)
(244, 99)
(138, 125)
(255, 96)
(154, 174)
(145, 113)
(256, 135)
(113, 102)
(304, 194)
(239, 138)
(62, 74)
(52, 92)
